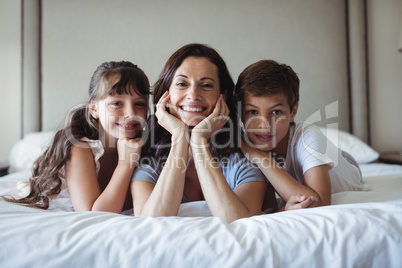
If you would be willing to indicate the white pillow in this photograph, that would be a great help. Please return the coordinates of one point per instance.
(360, 151)
(24, 153)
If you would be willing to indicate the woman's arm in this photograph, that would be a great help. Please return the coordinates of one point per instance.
(317, 184)
(164, 197)
(247, 198)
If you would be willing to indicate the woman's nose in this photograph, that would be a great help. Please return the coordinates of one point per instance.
(193, 93)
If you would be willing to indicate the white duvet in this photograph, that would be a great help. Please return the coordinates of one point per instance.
(360, 229)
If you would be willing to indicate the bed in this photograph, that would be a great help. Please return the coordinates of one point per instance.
(359, 229)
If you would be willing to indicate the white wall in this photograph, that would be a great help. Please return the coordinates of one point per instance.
(79, 35)
(10, 79)
(308, 34)
(385, 74)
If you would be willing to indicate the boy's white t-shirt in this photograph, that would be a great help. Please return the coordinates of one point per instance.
(308, 147)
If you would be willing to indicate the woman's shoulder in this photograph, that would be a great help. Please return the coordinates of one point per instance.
(235, 159)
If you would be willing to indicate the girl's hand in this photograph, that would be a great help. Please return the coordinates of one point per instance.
(300, 201)
(213, 123)
(168, 121)
(129, 150)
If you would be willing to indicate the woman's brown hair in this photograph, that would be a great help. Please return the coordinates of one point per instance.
(161, 146)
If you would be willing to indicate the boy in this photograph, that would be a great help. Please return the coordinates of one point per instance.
(312, 166)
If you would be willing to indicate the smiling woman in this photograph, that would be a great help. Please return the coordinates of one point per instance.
(194, 90)
(194, 157)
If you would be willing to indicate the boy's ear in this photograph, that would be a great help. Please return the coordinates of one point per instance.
(93, 109)
(294, 112)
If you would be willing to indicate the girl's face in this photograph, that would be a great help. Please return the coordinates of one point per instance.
(194, 90)
(121, 116)
(267, 120)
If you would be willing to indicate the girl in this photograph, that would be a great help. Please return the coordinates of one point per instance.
(96, 153)
(312, 166)
(193, 156)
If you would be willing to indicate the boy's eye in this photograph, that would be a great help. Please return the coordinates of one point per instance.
(252, 112)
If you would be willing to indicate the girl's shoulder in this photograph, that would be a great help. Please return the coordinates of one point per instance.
(87, 145)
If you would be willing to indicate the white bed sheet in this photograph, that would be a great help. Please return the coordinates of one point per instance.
(360, 229)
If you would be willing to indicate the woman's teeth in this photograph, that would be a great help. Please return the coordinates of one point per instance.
(192, 109)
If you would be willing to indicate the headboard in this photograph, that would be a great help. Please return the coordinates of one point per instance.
(323, 41)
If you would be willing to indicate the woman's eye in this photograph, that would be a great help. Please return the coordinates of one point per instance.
(276, 112)
(181, 84)
(207, 85)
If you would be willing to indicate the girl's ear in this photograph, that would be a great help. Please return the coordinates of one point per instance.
(93, 109)
(294, 112)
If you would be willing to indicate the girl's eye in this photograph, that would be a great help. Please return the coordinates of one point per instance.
(141, 104)
(116, 103)
(276, 112)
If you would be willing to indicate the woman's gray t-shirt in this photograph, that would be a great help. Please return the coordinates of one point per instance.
(235, 168)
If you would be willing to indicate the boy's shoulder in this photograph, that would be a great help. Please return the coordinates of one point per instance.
(303, 128)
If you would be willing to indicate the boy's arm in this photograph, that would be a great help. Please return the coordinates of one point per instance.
(317, 183)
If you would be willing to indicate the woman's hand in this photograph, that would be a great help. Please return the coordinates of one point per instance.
(300, 201)
(174, 125)
(213, 123)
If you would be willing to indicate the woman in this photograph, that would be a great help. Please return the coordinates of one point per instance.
(192, 157)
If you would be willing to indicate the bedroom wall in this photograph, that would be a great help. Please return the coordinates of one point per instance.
(309, 35)
(385, 74)
(10, 78)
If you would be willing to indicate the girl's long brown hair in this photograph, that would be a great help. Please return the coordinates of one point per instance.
(48, 169)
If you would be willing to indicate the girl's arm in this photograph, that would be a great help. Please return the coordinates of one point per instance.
(84, 186)
(247, 198)
(81, 178)
(316, 180)
(164, 197)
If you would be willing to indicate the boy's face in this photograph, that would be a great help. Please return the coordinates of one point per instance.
(266, 120)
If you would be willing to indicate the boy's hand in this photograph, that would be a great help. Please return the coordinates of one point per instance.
(300, 201)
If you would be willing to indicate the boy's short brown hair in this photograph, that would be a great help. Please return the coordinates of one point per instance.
(268, 77)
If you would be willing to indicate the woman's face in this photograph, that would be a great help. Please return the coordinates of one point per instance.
(194, 90)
